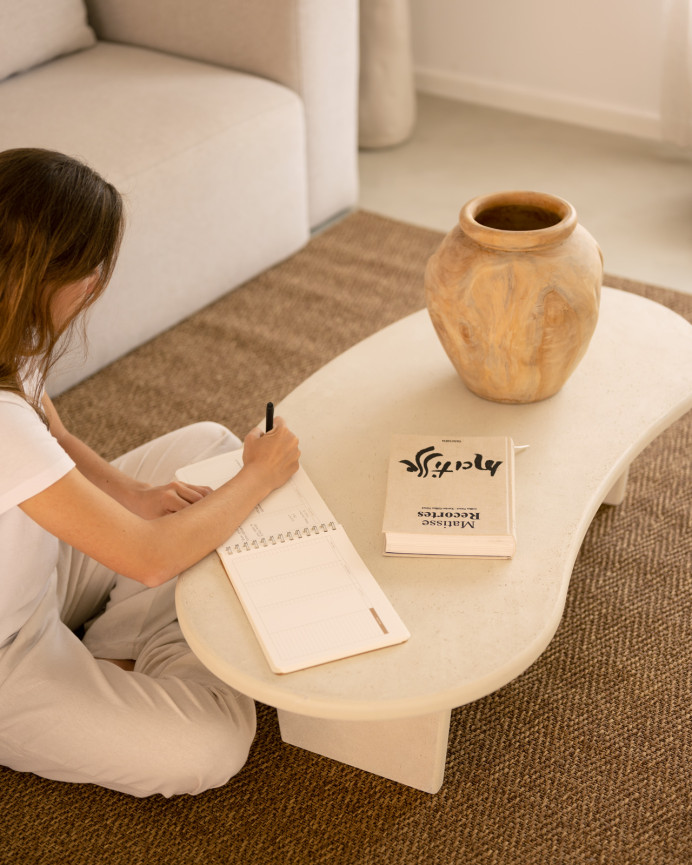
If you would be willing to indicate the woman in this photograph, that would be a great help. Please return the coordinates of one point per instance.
(93, 547)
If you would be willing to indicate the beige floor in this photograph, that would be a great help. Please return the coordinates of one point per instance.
(634, 196)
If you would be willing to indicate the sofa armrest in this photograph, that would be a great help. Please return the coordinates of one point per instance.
(310, 46)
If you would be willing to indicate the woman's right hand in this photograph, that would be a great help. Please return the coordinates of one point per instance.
(274, 454)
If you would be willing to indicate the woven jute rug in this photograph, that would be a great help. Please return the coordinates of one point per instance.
(585, 758)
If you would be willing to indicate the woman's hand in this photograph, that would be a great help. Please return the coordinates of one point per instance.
(151, 502)
(274, 455)
(140, 498)
(147, 532)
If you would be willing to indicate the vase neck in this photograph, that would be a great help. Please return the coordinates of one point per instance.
(517, 220)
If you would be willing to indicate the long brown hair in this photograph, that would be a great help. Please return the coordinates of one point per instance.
(59, 222)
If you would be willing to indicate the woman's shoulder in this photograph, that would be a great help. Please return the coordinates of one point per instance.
(30, 457)
(14, 405)
(23, 432)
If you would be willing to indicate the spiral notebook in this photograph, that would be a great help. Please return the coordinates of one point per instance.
(307, 593)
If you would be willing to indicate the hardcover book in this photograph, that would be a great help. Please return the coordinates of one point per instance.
(450, 496)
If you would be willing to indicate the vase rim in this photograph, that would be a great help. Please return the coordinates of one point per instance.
(557, 214)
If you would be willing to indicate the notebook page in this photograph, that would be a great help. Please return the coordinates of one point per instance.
(311, 601)
(307, 593)
(296, 508)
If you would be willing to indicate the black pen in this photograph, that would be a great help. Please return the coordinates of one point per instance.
(269, 425)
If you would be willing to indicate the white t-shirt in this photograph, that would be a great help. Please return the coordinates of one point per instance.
(31, 460)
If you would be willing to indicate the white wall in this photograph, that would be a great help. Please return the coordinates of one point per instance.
(592, 62)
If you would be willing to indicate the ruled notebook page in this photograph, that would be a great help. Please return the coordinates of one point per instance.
(296, 507)
(307, 593)
(312, 601)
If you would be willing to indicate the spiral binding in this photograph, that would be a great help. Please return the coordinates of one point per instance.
(281, 538)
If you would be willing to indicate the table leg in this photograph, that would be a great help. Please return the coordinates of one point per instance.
(617, 491)
(411, 751)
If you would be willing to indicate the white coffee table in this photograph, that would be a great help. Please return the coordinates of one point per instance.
(475, 625)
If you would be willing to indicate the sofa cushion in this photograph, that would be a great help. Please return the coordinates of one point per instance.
(310, 46)
(211, 163)
(34, 31)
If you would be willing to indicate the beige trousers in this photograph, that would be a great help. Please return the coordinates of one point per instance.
(170, 726)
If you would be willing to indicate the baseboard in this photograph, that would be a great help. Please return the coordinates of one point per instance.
(581, 112)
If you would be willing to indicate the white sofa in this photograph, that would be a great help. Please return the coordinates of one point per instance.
(230, 126)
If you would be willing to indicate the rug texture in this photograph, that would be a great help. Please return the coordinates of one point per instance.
(585, 758)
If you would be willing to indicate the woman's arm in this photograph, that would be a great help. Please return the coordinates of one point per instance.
(83, 515)
(141, 498)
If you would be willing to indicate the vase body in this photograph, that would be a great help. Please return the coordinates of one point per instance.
(513, 292)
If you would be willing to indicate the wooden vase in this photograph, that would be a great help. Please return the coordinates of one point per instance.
(513, 292)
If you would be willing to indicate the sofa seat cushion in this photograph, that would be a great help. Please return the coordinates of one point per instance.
(211, 163)
(35, 31)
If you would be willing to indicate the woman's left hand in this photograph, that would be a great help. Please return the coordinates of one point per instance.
(151, 502)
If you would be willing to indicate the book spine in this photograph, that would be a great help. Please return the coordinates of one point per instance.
(281, 538)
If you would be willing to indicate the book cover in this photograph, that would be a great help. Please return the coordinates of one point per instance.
(450, 496)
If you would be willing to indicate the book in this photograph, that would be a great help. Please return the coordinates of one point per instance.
(307, 593)
(450, 496)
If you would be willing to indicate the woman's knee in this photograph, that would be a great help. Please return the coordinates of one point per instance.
(157, 461)
(208, 438)
(211, 432)
(216, 753)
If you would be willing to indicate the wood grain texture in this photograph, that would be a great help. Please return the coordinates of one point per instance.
(513, 292)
